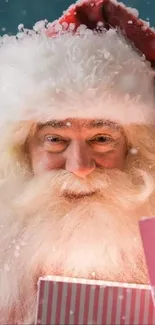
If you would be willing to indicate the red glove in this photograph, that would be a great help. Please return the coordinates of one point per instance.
(112, 14)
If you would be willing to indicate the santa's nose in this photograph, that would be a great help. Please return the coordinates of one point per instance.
(82, 172)
(79, 160)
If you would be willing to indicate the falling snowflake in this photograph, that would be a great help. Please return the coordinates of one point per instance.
(93, 274)
(133, 151)
(68, 124)
(24, 12)
(100, 24)
(6, 267)
(107, 55)
(71, 312)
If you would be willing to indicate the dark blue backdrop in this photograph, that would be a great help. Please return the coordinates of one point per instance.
(14, 12)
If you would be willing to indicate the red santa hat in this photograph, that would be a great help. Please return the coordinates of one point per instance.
(86, 69)
(108, 14)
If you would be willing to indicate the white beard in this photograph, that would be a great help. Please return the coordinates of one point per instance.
(43, 233)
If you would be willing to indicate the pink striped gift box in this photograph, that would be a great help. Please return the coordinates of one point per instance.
(147, 229)
(69, 301)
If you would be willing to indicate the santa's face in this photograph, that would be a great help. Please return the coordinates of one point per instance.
(77, 146)
(83, 186)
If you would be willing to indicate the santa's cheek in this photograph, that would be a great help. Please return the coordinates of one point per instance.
(111, 160)
(46, 162)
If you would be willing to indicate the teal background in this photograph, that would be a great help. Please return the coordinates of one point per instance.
(14, 12)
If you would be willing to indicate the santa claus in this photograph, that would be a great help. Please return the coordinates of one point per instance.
(77, 152)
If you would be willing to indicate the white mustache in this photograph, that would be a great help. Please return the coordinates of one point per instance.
(110, 183)
(113, 185)
(93, 183)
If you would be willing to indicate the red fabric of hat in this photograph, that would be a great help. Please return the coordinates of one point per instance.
(111, 14)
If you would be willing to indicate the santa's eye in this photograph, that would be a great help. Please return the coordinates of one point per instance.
(53, 138)
(55, 143)
(101, 139)
(102, 143)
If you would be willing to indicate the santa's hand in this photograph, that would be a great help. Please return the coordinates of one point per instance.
(109, 14)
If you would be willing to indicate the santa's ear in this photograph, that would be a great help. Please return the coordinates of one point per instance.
(110, 14)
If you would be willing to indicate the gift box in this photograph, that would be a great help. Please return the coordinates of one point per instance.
(147, 228)
(64, 301)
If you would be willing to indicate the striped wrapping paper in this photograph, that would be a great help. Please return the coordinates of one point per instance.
(66, 301)
(147, 229)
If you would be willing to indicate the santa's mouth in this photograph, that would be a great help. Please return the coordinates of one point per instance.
(74, 196)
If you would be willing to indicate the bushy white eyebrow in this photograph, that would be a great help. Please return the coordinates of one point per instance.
(98, 123)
